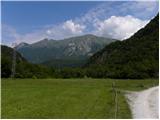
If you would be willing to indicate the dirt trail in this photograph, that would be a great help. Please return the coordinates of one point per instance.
(144, 104)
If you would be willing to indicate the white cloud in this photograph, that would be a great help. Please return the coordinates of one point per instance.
(67, 29)
(73, 27)
(49, 32)
(119, 27)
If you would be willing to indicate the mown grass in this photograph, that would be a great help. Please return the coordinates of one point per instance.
(67, 98)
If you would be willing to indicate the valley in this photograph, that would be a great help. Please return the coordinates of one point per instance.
(80, 60)
(135, 58)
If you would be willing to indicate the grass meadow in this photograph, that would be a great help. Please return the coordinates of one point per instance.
(67, 98)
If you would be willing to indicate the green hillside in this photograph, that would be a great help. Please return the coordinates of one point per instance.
(136, 57)
(23, 68)
(65, 63)
(6, 60)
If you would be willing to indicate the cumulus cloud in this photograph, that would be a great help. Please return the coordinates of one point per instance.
(48, 32)
(73, 27)
(119, 27)
(67, 29)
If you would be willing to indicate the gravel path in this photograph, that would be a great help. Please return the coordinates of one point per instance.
(144, 104)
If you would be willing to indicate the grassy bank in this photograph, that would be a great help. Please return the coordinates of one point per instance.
(67, 98)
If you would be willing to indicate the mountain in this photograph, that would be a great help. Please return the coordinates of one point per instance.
(22, 45)
(23, 69)
(72, 49)
(136, 57)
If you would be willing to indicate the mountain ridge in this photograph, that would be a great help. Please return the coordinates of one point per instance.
(80, 47)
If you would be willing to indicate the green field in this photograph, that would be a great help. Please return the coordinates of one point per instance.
(67, 98)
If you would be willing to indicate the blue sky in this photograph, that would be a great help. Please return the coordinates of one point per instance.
(33, 21)
(26, 16)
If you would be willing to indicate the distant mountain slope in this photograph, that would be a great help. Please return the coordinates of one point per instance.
(136, 57)
(75, 48)
(23, 68)
(22, 45)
